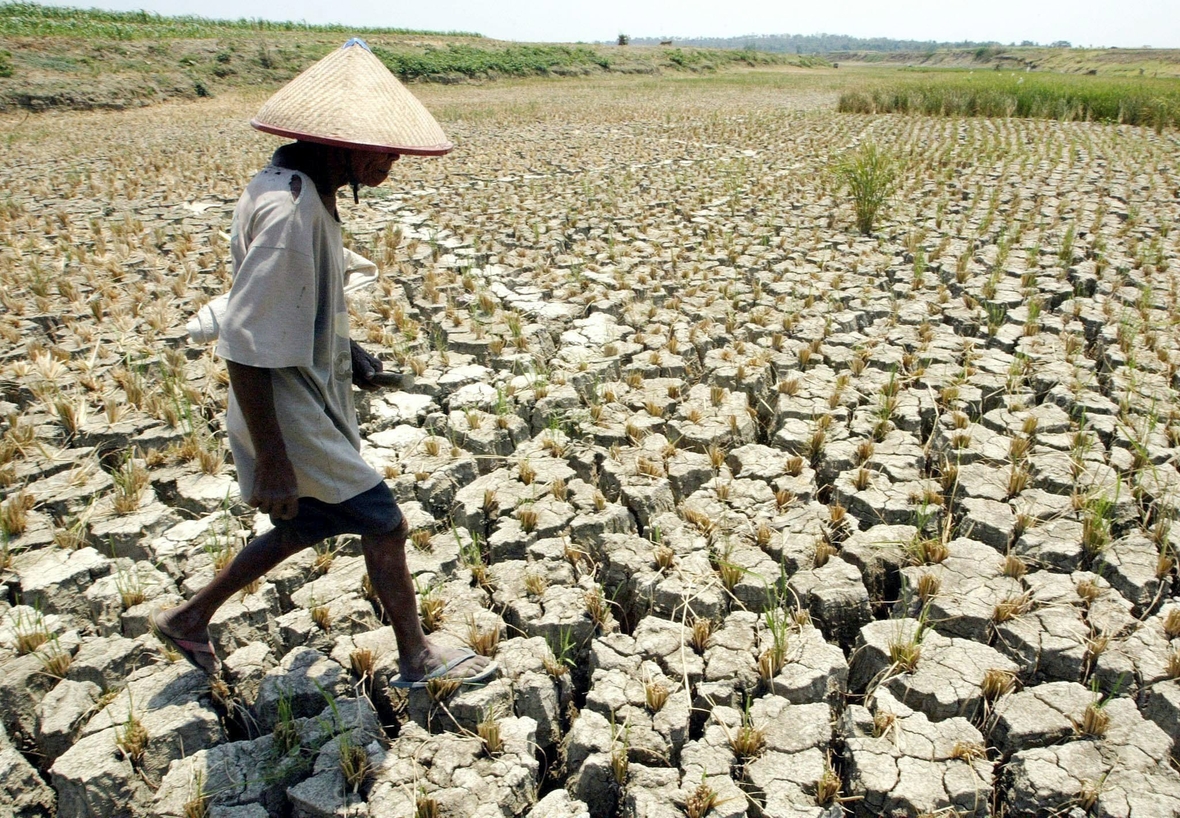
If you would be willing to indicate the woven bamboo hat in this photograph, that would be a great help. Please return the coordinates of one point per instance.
(351, 100)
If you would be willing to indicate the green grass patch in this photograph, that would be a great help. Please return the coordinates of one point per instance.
(32, 20)
(469, 61)
(1129, 101)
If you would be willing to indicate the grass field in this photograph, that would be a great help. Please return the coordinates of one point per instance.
(1130, 101)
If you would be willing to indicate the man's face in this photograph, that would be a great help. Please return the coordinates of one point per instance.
(371, 168)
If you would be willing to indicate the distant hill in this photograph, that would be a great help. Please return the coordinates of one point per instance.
(810, 43)
(1059, 57)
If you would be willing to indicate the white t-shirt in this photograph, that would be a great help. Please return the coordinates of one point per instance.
(287, 313)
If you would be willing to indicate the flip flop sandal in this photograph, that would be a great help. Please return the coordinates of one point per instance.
(187, 648)
(385, 379)
(445, 671)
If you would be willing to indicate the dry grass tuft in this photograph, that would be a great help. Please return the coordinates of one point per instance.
(354, 762)
(904, 654)
(484, 642)
(131, 738)
(700, 801)
(968, 751)
(1013, 566)
(655, 695)
(996, 683)
(362, 661)
(1095, 721)
(1011, 607)
(928, 586)
(1172, 623)
(439, 690)
(700, 634)
(827, 788)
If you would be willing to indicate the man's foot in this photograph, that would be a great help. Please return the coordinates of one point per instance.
(194, 646)
(438, 662)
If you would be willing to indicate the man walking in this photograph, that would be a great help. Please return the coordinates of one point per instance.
(284, 336)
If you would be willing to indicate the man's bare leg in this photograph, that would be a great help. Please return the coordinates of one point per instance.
(190, 619)
(385, 559)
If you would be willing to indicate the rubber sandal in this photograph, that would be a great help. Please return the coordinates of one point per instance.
(445, 671)
(187, 648)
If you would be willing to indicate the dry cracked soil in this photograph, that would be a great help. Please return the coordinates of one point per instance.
(759, 516)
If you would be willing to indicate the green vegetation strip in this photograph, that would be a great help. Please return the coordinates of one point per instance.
(1129, 101)
(534, 60)
(32, 20)
(517, 61)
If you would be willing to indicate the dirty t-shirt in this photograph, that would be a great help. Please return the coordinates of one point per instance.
(287, 313)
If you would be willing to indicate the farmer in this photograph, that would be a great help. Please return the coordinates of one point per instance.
(284, 335)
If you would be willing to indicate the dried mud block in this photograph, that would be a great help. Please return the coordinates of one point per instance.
(970, 584)
(814, 670)
(652, 738)
(23, 684)
(935, 674)
(173, 707)
(128, 584)
(899, 762)
(1049, 643)
(669, 645)
(245, 618)
(457, 774)
(249, 779)
(92, 778)
(464, 709)
(1143, 657)
(246, 667)
(879, 554)
(1055, 545)
(23, 793)
(128, 535)
(1161, 704)
(303, 679)
(61, 715)
(55, 581)
(326, 792)
(109, 661)
(989, 521)
(559, 804)
(537, 693)
(836, 597)
(781, 779)
(730, 655)
(1131, 565)
(1124, 773)
(710, 760)
(651, 792)
(1038, 716)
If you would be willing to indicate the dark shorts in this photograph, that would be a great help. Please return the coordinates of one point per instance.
(371, 512)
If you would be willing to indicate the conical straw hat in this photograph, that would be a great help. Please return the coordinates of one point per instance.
(351, 100)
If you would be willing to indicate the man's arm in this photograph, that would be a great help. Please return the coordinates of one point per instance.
(275, 487)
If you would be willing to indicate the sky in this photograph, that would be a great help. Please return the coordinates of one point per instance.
(1122, 23)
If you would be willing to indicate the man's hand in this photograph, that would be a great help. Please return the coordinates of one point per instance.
(275, 487)
(275, 490)
(368, 371)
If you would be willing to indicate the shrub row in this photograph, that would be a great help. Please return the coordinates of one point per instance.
(516, 60)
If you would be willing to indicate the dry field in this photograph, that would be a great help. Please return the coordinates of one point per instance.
(760, 516)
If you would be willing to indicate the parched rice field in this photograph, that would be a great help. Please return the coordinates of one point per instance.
(759, 515)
